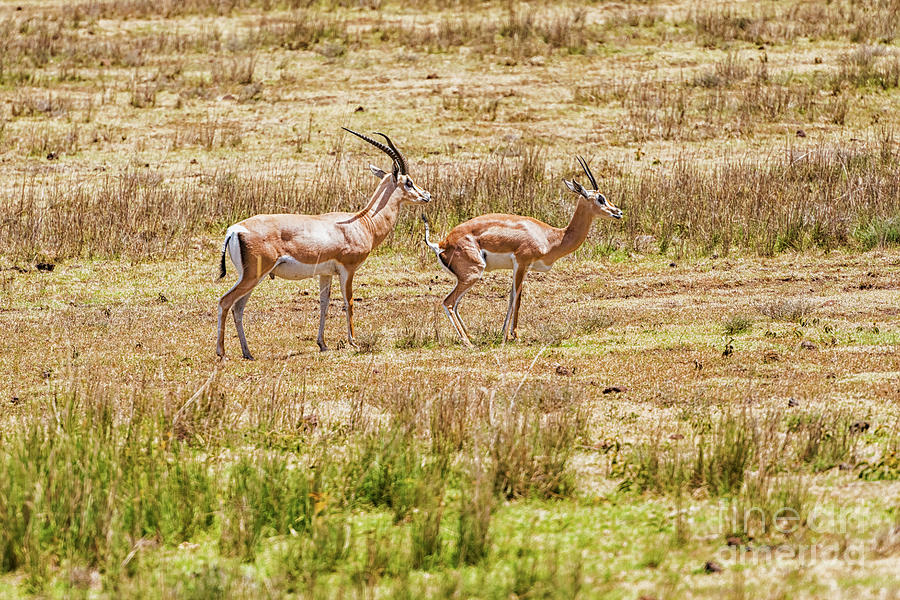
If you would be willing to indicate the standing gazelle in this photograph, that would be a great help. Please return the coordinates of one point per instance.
(499, 241)
(300, 246)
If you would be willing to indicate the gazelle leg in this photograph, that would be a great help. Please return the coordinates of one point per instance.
(324, 299)
(347, 291)
(240, 291)
(509, 307)
(238, 312)
(460, 321)
(520, 286)
(452, 317)
(518, 280)
(456, 313)
(450, 307)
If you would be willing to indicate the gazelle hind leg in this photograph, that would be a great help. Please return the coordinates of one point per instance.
(456, 313)
(513, 333)
(450, 307)
(240, 290)
(453, 322)
(238, 312)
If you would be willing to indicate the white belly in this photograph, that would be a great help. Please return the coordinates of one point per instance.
(541, 266)
(290, 268)
(495, 260)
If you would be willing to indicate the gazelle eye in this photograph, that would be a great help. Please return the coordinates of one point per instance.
(409, 183)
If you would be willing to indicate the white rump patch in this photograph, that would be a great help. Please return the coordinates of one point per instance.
(236, 229)
(233, 246)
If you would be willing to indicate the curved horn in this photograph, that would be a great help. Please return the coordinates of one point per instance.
(587, 171)
(400, 157)
(377, 144)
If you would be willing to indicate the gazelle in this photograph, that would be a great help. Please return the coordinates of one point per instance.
(500, 241)
(295, 246)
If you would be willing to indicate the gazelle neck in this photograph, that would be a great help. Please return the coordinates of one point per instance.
(578, 228)
(378, 217)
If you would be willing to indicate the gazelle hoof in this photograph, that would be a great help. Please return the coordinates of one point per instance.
(323, 348)
(249, 357)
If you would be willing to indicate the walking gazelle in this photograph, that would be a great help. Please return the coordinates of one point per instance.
(500, 241)
(295, 246)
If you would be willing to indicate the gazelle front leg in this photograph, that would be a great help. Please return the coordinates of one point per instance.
(347, 291)
(513, 334)
(324, 299)
(512, 311)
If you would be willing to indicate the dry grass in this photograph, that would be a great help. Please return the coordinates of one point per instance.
(763, 206)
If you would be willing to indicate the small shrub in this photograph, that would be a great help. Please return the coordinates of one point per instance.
(726, 73)
(878, 232)
(719, 464)
(80, 486)
(822, 440)
(238, 69)
(426, 541)
(530, 451)
(868, 66)
(737, 325)
(770, 506)
(389, 469)
(787, 309)
(303, 559)
(886, 469)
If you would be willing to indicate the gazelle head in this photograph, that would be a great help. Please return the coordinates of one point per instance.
(600, 205)
(409, 192)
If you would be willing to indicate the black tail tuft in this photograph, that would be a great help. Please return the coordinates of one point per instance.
(222, 261)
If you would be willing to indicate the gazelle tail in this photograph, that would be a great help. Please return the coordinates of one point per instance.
(434, 247)
(224, 251)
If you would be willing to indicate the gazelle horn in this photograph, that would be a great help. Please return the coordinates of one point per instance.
(390, 152)
(587, 171)
(400, 157)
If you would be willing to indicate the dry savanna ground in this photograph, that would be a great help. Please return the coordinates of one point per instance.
(704, 398)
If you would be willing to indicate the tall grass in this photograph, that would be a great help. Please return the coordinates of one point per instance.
(96, 480)
(80, 485)
(760, 463)
(820, 197)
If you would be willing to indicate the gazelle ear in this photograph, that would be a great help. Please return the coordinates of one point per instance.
(379, 173)
(396, 172)
(574, 186)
